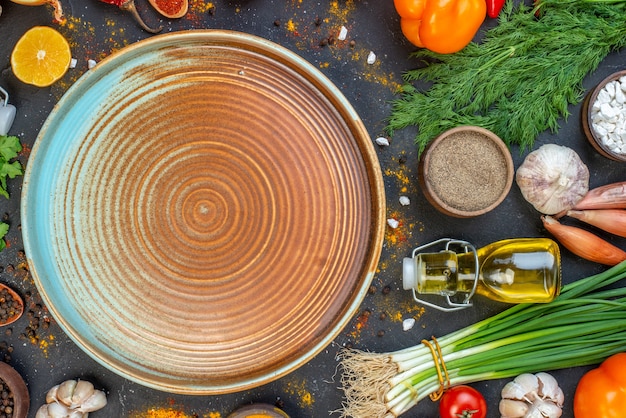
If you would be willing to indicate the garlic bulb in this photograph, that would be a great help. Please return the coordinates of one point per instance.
(553, 179)
(72, 399)
(532, 396)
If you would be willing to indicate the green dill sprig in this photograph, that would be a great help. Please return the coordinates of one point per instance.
(520, 80)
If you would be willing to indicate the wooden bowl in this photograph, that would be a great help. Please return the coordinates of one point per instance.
(587, 123)
(466, 171)
(259, 410)
(21, 398)
(18, 308)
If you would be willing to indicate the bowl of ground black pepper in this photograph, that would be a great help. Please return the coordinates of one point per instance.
(14, 397)
(466, 171)
(11, 305)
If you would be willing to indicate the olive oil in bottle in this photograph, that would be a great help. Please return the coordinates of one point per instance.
(516, 270)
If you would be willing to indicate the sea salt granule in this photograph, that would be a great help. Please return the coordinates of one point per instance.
(343, 33)
(91, 63)
(382, 141)
(408, 323)
(73, 63)
(371, 58)
(608, 116)
(405, 201)
(393, 223)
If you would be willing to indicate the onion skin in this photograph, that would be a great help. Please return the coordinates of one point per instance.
(609, 196)
(609, 220)
(584, 243)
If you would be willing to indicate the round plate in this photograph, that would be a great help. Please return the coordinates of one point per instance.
(203, 212)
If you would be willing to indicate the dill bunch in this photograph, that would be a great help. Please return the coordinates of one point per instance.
(520, 79)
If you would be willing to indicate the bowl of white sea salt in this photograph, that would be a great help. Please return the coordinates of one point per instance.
(604, 117)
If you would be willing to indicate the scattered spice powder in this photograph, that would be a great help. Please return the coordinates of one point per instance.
(467, 171)
(161, 413)
(299, 388)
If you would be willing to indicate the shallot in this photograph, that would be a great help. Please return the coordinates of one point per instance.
(609, 220)
(584, 243)
(609, 196)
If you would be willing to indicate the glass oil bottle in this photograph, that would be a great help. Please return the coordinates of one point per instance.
(518, 270)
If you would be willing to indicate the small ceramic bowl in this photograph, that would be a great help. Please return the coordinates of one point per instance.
(586, 117)
(17, 386)
(258, 410)
(466, 171)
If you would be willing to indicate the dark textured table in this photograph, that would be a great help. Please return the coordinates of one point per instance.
(45, 356)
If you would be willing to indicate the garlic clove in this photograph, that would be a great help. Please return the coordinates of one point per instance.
(83, 390)
(42, 412)
(96, 401)
(534, 413)
(547, 409)
(58, 410)
(511, 408)
(549, 388)
(529, 383)
(513, 390)
(553, 179)
(51, 396)
(65, 392)
(77, 414)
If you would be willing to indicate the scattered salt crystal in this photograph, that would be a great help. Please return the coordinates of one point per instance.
(393, 223)
(91, 63)
(408, 323)
(405, 201)
(382, 141)
(73, 63)
(371, 58)
(343, 33)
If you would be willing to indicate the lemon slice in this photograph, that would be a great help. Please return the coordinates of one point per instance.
(41, 56)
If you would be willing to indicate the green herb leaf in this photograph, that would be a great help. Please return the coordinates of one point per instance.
(4, 228)
(520, 80)
(9, 147)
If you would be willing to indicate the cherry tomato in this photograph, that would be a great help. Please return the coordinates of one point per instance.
(462, 402)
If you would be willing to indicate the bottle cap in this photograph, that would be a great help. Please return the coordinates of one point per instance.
(7, 112)
(409, 278)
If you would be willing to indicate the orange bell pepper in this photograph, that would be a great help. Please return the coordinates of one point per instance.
(443, 26)
(601, 392)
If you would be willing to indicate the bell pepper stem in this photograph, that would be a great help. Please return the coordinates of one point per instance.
(129, 6)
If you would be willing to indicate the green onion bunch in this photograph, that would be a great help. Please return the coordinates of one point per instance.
(583, 326)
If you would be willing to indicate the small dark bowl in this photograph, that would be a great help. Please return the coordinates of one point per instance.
(21, 398)
(590, 134)
(478, 185)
